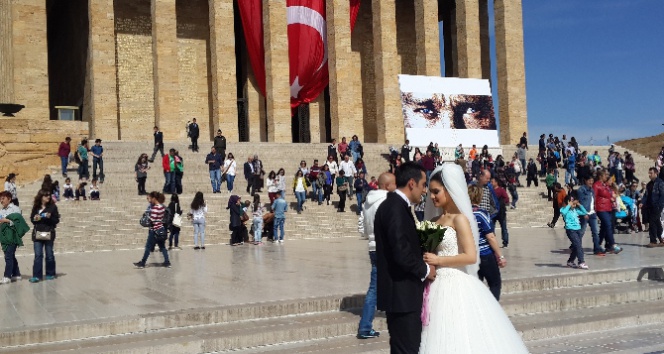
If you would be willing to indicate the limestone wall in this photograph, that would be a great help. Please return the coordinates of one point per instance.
(29, 146)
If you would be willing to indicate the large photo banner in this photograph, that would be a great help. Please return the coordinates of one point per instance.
(447, 111)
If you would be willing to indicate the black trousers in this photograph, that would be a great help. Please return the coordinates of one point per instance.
(236, 236)
(556, 215)
(250, 183)
(141, 185)
(405, 332)
(194, 144)
(490, 271)
(530, 179)
(342, 201)
(655, 226)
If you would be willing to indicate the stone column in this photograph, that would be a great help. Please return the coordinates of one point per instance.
(277, 86)
(511, 70)
(222, 67)
(389, 116)
(6, 53)
(30, 51)
(256, 109)
(469, 50)
(101, 103)
(485, 41)
(345, 75)
(317, 119)
(427, 38)
(165, 70)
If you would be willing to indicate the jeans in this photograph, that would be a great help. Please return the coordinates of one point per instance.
(359, 201)
(64, 160)
(11, 264)
(199, 231)
(369, 308)
(83, 170)
(258, 229)
(229, 182)
(570, 177)
(490, 271)
(655, 229)
(317, 192)
(174, 234)
(592, 220)
(301, 197)
(215, 180)
(619, 177)
(283, 193)
(349, 180)
(178, 182)
(278, 226)
(355, 155)
(523, 164)
(515, 196)
(606, 229)
(149, 246)
(575, 237)
(37, 268)
(169, 182)
(97, 161)
(504, 234)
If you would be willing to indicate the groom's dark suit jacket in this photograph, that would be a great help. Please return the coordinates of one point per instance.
(398, 257)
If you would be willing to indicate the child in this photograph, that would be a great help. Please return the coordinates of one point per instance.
(80, 190)
(94, 190)
(68, 190)
(373, 184)
(258, 220)
(558, 202)
(56, 191)
(571, 212)
(550, 180)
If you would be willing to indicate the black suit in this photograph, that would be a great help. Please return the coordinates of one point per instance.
(193, 133)
(400, 272)
(248, 175)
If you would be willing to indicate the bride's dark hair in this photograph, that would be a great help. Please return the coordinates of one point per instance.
(438, 177)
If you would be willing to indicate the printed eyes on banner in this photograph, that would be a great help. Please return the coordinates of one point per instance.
(424, 110)
(472, 112)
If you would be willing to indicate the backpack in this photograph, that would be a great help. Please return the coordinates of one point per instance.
(77, 157)
(167, 219)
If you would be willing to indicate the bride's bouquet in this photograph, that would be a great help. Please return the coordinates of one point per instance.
(431, 235)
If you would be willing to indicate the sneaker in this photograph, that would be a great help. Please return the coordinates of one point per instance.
(177, 248)
(583, 266)
(5, 280)
(571, 265)
(50, 277)
(17, 278)
(170, 248)
(167, 264)
(652, 245)
(203, 247)
(139, 265)
(34, 280)
(281, 241)
(617, 249)
(197, 248)
(371, 334)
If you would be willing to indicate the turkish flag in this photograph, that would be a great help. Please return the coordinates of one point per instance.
(307, 50)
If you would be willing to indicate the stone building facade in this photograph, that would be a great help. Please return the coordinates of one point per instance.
(132, 64)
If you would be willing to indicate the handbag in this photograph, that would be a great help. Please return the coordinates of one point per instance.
(160, 234)
(145, 219)
(177, 218)
(43, 234)
(342, 188)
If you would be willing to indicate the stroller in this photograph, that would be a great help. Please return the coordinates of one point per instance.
(624, 218)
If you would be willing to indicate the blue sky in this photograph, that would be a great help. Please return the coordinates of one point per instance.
(594, 68)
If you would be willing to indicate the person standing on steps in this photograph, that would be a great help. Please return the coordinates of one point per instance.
(604, 206)
(97, 160)
(82, 152)
(214, 161)
(179, 171)
(168, 164)
(400, 268)
(230, 168)
(587, 200)
(249, 173)
(10, 215)
(559, 195)
(63, 152)
(174, 230)
(158, 143)
(220, 144)
(45, 217)
(10, 186)
(386, 183)
(655, 204)
(258, 175)
(141, 173)
(197, 216)
(194, 132)
(279, 208)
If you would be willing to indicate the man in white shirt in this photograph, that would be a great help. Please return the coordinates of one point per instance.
(350, 171)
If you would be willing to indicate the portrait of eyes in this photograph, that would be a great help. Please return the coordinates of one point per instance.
(427, 110)
(472, 112)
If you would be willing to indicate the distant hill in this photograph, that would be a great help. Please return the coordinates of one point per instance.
(648, 146)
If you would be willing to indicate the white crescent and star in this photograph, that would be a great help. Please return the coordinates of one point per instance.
(307, 16)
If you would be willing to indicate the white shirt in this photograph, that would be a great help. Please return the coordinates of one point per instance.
(348, 168)
(199, 214)
(334, 168)
(299, 187)
(230, 166)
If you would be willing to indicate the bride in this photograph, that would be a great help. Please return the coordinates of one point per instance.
(464, 317)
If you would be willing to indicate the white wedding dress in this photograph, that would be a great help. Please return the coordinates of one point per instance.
(464, 317)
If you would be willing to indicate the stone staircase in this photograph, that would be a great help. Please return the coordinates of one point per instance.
(112, 223)
(540, 307)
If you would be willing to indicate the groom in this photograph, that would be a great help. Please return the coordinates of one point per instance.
(401, 270)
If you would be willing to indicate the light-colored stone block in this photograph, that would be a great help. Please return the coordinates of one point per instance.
(166, 69)
(277, 85)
